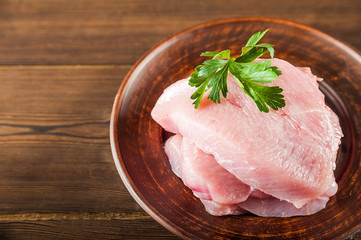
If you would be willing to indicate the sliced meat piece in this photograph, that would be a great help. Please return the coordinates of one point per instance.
(289, 153)
(269, 207)
(273, 207)
(173, 150)
(259, 194)
(258, 203)
(205, 176)
(202, 174)
(217, 209)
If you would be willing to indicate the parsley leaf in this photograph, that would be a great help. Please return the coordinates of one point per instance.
(213, 73)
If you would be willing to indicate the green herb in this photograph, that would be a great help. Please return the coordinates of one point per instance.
(212, 74)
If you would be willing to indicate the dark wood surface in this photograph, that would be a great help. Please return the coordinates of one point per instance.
(61, 64)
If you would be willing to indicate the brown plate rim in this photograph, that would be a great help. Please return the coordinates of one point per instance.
(114, 120)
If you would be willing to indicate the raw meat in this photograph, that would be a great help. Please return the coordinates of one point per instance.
(173, 149)
(271, 207)
(202, 174)
(258, 202)
(218, 209)
(289, 154)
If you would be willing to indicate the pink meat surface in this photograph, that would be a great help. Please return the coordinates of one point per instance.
(289, 154)
(257, 203)
(270, 207)
(218, 209)
(173, 150)
(273, 207)
(202, 174)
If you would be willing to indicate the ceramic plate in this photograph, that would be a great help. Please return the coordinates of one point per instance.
(137, 141)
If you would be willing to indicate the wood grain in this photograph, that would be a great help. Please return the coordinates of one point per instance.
(84, 229)
(55, 154)
(61, 63)
(120, 32)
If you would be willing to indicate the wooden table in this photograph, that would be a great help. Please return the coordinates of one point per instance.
(61, 63)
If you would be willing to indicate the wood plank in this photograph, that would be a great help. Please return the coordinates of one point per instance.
(65, 94)
(142, 228)
(58, 179)
(54, 152)
(120, 32)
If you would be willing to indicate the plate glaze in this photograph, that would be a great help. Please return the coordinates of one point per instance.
(137, 141)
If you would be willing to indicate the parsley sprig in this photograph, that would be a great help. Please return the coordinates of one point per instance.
(212, 74)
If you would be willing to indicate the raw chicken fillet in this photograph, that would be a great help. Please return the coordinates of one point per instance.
(237, 159)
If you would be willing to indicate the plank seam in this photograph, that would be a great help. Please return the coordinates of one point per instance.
(41, 67)
(72, 216)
